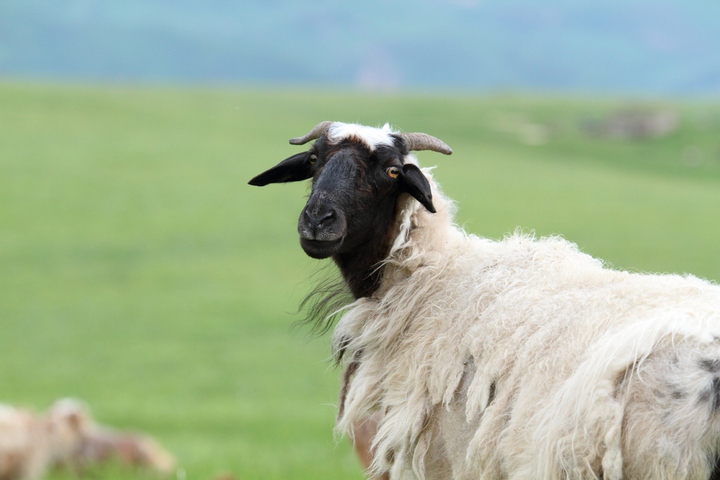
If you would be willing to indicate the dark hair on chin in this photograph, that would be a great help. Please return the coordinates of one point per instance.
(322, 305)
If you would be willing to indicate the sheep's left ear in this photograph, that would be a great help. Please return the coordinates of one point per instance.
(293, 169)
(417, 185)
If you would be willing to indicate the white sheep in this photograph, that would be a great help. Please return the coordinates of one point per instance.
(515, 359)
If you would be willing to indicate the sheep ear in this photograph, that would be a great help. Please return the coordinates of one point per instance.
(293, 169)
(417, 185)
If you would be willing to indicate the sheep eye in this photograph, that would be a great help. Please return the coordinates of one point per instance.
(393, 172)
(312, 159)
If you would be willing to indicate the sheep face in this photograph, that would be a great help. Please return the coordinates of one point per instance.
(353, 197)
(358, 173)
(354, 192)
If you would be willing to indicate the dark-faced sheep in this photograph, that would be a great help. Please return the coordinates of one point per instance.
(515, 359)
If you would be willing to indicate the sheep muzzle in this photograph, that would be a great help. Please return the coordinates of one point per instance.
(321, 226)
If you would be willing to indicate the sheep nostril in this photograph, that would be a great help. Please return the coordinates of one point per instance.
(326, 219)
(320, 219)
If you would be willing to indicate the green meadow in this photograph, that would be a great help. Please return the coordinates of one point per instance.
(140, 273)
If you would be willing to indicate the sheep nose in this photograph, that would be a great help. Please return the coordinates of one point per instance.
(319, 218)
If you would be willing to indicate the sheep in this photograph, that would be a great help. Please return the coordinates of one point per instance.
(67, 436)
(521, 358)
(30, 444)
(99, 444)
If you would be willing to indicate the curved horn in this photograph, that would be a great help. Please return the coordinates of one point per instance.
(316, 132)
(423, 141)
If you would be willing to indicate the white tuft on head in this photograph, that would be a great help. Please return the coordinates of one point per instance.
(371, 136)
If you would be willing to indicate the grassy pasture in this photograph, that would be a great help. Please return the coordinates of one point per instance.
(139, 271)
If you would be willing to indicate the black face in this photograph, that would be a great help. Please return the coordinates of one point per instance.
(354, 194)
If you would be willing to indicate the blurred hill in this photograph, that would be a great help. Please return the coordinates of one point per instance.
(614, 46)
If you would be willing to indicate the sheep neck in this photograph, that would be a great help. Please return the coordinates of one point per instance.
(361, 268)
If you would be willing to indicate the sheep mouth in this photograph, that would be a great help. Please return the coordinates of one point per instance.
(320, 249)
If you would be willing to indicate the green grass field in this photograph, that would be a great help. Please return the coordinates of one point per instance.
(140, 273)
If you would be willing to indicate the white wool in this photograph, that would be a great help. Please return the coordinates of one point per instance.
(525, 358)
(373, 137)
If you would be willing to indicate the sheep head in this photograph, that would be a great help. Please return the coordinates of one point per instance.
(358, 173)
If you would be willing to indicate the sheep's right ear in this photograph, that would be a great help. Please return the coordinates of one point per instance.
(293, 169)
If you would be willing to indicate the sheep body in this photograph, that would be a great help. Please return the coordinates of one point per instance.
(67, 436)
(525, 359)
(30, 443)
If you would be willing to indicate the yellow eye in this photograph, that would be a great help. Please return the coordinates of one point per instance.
(393, 172)
(312, 159)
